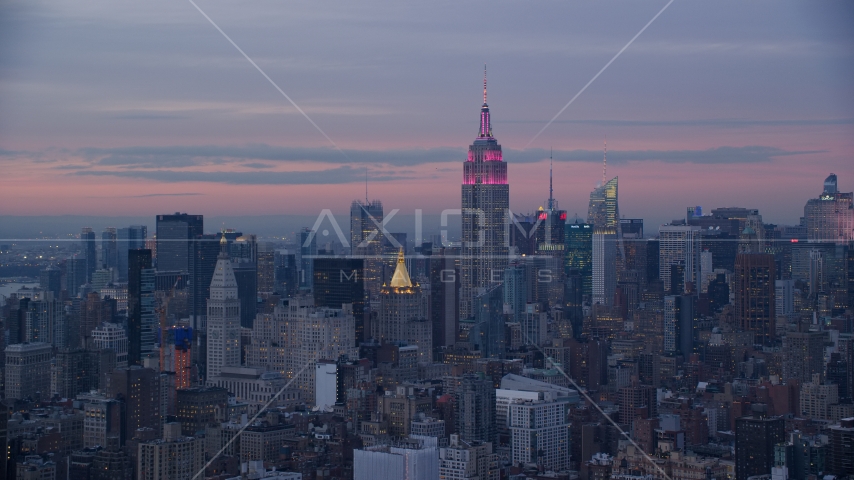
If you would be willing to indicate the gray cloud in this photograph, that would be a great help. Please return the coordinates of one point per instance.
(189, 194)
(339, 175)
(712, 122)
(149, 116)
(187, 156)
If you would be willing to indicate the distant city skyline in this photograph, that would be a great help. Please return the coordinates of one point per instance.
(750, 108)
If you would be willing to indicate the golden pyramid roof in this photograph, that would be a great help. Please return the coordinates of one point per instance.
(401, 275)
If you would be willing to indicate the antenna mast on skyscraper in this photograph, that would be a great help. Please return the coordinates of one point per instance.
(484, 84)
(551, 192)
(605, 163)
(366, 185)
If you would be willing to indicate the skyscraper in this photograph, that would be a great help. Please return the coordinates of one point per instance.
(830, 217)
(679, 324)
(50, 280)
(174, 233)
(603, 210)
(223, 317)
(488, 331)
(604, 265)
(75, 275)
(403, 313)
(678, 245)
(444, 308)
(307, 250)
(485, 203)
(755, 309)
(205, 250)
(109, 250)
(366, 241)
(141, 321)
(90, 251)
(130, 238)
(579, 253)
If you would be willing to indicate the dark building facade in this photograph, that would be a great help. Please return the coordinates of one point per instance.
(90, 251)
(174, 235)
(444, 309)
(754, 295)
(199, 406)
(755, 438)
(141, 321)
(338, 281)
(50, 280)
(130, 238)
(139, 389)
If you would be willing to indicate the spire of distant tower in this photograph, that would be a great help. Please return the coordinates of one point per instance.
(484, 84)
(605, 163)
(366, 185)
(223, 243)
(551, 191)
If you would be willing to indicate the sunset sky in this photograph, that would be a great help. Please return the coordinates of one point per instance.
(138, 108)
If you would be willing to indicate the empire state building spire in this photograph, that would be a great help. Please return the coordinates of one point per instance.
(485, 124)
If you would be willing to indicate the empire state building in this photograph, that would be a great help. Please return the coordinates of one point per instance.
(486, 198)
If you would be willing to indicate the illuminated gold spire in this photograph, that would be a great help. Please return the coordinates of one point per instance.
(401, 275)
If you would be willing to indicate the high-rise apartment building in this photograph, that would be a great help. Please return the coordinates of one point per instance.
(755, 438)
(830, 217)
(142, 324)
(462, 460)
(297, 334)
(174, 235)
(803, 355)
(223, 325)
(27, 372)
(679, 245)
(816, 398)
(840, 462)
(476, 408)
(755, 310)
(539, 433)
(485, 204)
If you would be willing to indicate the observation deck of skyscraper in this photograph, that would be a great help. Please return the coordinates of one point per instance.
(257, 239)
